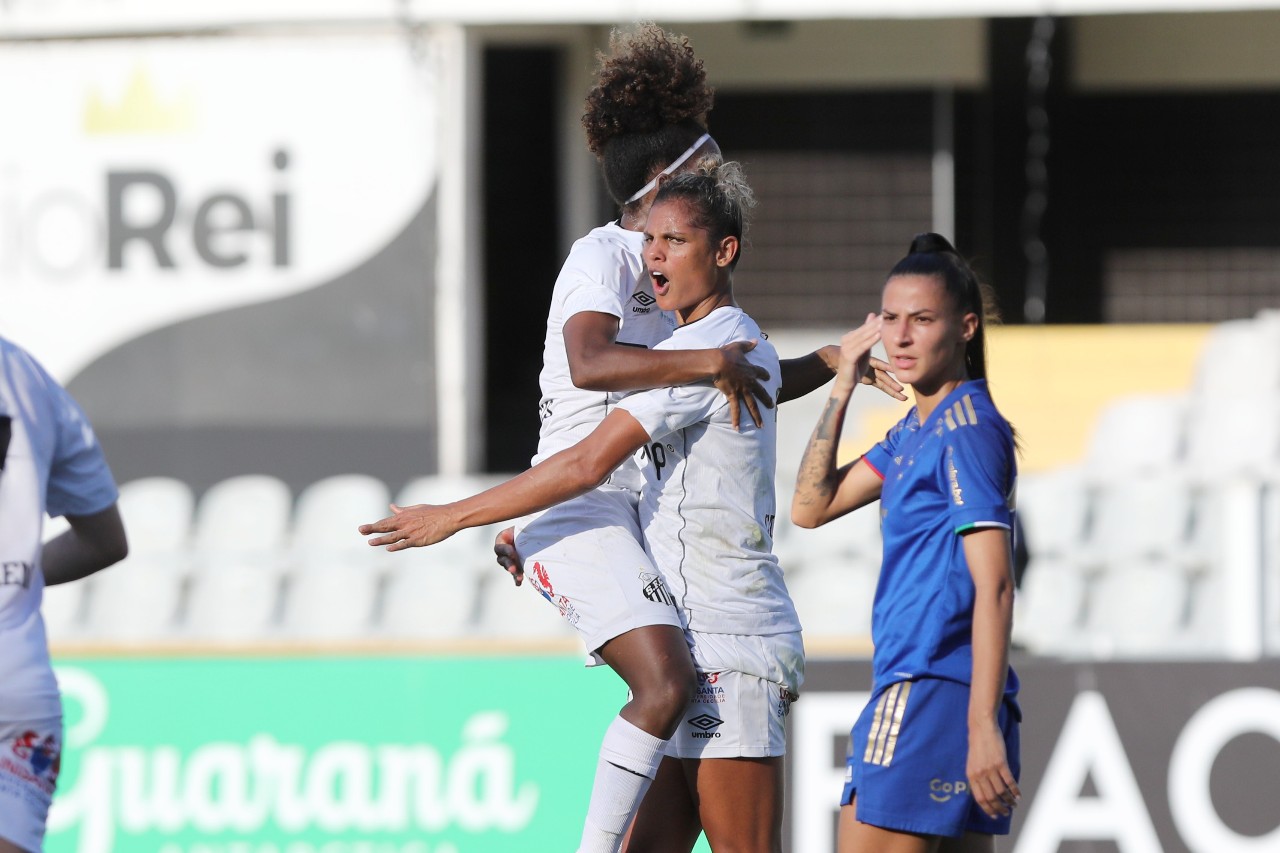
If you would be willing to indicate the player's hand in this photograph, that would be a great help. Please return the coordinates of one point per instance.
(877, 375)
(990, 779)
(739, 380)
(855, 351)
(411, 527)
(504, 548)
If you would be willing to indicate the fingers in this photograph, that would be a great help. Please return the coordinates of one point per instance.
(735, 411)
(504, 547)
(996, 792)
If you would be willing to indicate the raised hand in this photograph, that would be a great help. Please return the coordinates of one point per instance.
(411, 527)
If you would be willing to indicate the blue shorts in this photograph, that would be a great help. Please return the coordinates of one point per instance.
(907, 754)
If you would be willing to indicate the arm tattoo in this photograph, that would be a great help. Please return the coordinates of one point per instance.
(815, 481)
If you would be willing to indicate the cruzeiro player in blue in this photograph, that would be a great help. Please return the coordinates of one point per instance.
(919, 779)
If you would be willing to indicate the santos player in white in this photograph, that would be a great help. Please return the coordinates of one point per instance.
(645, 119)
(706, 512)
(49, 461)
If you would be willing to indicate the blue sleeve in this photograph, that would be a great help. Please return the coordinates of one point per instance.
(979, 470)
(80, 483)
(880, 456)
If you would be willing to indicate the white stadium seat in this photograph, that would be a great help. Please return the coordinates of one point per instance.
(243, 519)
(157, 513)
(1054, 509)
(1136, 434)
(1138, 610)
(835, 600)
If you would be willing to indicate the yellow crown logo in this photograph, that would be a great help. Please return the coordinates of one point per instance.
(139, 111)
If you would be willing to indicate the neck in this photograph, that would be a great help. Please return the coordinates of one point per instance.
(929, 396)
(719, 299)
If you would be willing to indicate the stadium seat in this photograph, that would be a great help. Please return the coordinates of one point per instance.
(1139, 609)
(853, 540)
(137, 599)
(1234, 344)
(233, 602)
(1137, 434)
(157, 513)
(444, 488)
(243, 519)
(835, 600)
(328, 513)
(1050, 607)
(1142, 516)
(1237, 435)
(430, 598)
(141, 597)
(1054, 509)
(330, 601)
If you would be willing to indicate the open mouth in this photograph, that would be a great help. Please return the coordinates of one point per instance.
(660, 283)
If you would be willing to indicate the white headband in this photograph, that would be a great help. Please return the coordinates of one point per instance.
(679, 161)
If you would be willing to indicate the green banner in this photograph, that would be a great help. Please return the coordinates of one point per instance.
(328, 755)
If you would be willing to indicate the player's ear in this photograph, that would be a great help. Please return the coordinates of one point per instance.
(727, 251)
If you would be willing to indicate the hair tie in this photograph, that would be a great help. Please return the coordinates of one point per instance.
(679, 161)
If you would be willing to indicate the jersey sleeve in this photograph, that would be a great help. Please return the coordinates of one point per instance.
(80, 483)
(978, 466)
(881, 454)
(662, 411)
(585, 287)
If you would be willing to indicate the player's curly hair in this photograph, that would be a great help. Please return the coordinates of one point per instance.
(649, 103)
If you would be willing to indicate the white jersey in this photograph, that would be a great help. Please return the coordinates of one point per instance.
(708, 503)
(53, 464)
(605, 273)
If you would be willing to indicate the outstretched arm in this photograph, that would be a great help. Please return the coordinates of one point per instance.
(92, 543)
(808, 373)
(987, 552)
(823, 491)
(597, 362)
(573, 471)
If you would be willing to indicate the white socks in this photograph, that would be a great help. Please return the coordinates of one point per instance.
(629, 759)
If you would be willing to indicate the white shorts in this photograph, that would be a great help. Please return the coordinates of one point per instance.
(746, 685)
(585, 557)
(30, 757)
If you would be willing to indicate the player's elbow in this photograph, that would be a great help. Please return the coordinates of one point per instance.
(806, 512)
(586, 373)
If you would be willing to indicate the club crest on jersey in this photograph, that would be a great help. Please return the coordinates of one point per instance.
(655, 589)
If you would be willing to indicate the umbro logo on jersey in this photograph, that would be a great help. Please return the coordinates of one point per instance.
(644, 302)
(705, 724)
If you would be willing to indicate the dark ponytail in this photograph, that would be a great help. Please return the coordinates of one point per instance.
(933, 255)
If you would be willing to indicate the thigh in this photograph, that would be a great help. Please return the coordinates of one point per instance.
(667, 820)
(586, 558)
(739, 802)
(857, 837)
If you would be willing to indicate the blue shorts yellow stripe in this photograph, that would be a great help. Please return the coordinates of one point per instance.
(907, 755)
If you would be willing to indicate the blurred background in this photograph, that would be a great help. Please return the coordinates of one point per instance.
(294, 259)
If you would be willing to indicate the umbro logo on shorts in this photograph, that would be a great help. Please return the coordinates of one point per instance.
(705, 723)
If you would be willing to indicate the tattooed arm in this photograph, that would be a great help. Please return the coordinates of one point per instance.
(823, 491)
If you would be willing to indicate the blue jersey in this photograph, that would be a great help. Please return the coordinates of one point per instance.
(953, 474)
